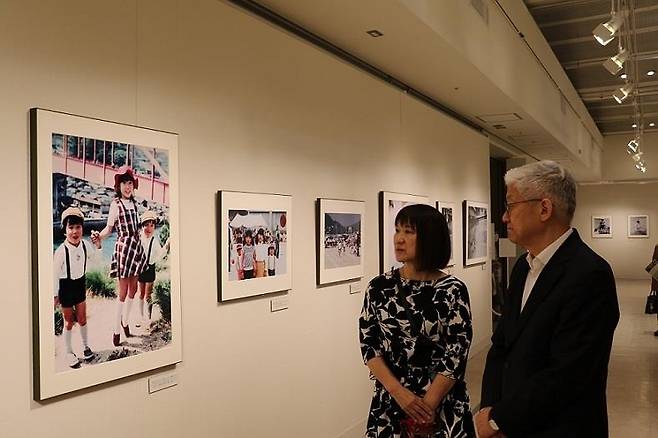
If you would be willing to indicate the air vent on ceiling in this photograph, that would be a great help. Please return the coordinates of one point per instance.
(499, 118)
(482, 9)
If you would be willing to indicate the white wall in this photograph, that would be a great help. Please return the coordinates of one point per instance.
(256, 110)
(618, 165)
(628, 257)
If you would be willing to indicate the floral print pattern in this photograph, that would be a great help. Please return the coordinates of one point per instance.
(441, 310)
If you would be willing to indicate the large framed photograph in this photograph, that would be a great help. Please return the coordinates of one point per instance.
(106, 279)
(390, 204)
(476, 226)
(254, 245)
(448, 211)
(339, 243)
(638, 226)
(602, 227)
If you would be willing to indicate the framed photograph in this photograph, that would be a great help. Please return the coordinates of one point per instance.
(448, 210)
(390, 204)
(254, 245)
(102, 191)
(339, 244)
(476, 226)
(602, 227)
(638, 226)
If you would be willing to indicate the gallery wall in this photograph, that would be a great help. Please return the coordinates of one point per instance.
(627, 256)
(256, 110)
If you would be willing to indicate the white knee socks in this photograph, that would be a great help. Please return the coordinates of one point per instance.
(129, 305)
(117, 328)
(141, 308)
(67, 339)
(83, 334)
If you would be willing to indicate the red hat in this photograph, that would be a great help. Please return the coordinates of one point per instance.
(125, 170)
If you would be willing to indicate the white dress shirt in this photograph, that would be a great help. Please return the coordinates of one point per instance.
(538, 263)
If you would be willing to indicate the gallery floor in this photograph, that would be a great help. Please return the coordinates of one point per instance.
(633, 374)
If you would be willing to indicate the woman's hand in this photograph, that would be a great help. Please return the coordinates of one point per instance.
(414, 406)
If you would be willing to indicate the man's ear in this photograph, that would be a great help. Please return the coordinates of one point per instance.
(547, 209)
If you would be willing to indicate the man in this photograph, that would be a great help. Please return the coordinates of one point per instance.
(547, 369)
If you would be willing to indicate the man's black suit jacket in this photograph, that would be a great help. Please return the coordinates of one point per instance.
(547, 369)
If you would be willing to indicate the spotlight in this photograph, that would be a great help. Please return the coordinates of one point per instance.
(633, 146)
(634, 125)
(651, 72)
(623, 76)
(637, 157)
(641, 166)
(621, 94)
(605, 32)
(652, 124)
(615, 63)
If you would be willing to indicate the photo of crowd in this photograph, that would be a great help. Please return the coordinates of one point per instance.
(257, 244)
(342, 240)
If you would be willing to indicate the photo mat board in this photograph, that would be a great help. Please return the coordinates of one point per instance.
(638, 226)
(339, 240)
(254, 252)
(448, 210)
(602, 227)
(476, 230)
(390, 203)
(73, 163)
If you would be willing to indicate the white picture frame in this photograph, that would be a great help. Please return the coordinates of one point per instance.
(601, 227)
(241, 214)
(448, 209)
(638, 226)
(476, 232)
(66, 155)
(340, 254)
(390, 203)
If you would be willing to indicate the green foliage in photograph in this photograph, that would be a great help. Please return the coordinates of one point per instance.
(162, 297)
(100, 284)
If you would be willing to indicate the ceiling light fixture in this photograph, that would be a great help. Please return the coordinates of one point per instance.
(651, 72)
(615, 63)
(652, 124)
(623, 76)
(633, 146)
(374, 33)
(641, 166)
(637, 157)
(622, 93)
(634, 125)
(605, 32)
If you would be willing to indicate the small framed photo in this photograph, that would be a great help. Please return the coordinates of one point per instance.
(476, 230)
(339, 243)
(602, 227)
(94, 178)
(638, 226)
(448, 210)
(390, 204)
(254, 244)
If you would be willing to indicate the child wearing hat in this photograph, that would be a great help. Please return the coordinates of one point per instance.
(154, 253)
(70, 266)
(128, 259)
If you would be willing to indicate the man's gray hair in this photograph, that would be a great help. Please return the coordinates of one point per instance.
(546, 179)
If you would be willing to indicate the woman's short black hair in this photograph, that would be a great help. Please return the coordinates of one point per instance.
(432, 235)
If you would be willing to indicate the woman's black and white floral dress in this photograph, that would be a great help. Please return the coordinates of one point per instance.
(441, 310)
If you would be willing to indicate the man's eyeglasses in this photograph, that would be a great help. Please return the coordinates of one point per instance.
(510, 204)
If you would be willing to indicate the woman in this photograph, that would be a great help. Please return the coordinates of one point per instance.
(128, 259)
(415, 332)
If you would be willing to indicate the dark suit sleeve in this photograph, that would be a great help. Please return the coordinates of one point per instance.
(579, 354)
(493, 371)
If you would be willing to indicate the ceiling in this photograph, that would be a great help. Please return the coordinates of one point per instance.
(567, 26)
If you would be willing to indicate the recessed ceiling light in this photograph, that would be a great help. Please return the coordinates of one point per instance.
(634, 125)
(651, 72)
(374, 33)
(623, 76)
(652, 124)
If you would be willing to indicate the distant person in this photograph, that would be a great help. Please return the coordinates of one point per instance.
(546, 372)
(415, 332)
(261, 253)
(271, 262)
(248, 256)
(70, 268)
